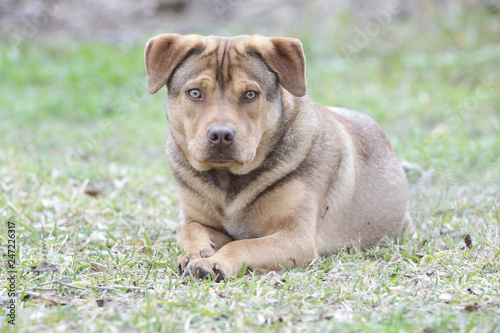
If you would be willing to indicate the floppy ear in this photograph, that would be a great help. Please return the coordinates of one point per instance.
(163, 54)
(285, 57)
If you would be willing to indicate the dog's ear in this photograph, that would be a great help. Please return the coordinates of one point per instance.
(163, 54)
(285, 57)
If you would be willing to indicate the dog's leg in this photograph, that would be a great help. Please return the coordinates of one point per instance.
(199, 241)
(273, 252)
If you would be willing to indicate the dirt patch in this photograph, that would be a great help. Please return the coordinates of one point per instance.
(127, 20)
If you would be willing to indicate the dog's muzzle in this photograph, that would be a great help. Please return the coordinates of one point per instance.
(221, 141)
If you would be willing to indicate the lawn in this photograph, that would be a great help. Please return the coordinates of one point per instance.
(85, 184)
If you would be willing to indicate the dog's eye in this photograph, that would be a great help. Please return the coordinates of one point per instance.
(194, 94)
(250, 95)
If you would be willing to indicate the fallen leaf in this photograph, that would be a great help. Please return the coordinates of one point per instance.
(98, 267)
(101, 301)
(471, 308)
(327, 314)
(54, 299)
(468, 241)
(92, 191)
(46, 267)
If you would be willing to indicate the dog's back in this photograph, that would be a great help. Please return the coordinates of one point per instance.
(373, 200)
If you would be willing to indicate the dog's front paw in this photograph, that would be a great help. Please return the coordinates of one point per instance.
(203, 268)
(205, 252)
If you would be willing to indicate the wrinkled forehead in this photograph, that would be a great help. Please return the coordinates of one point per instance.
(226, 59)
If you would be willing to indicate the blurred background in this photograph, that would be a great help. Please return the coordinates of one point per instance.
(126, 21)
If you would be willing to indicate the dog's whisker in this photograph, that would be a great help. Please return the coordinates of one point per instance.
(268, 149)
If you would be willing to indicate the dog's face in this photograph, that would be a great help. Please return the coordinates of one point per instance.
(224, 94)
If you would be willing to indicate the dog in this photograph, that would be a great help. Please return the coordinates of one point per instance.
(267, 178)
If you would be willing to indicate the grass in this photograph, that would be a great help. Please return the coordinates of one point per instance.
(77, 121)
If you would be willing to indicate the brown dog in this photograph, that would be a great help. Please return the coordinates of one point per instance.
(267, 178)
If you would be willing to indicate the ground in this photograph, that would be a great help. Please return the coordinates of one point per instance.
(85, 185)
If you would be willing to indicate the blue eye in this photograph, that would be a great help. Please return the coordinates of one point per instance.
(250, 95)
(194, 94)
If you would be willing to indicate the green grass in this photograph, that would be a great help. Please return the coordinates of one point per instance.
(77, 114)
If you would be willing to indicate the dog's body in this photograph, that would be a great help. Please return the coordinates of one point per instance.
(268, 178)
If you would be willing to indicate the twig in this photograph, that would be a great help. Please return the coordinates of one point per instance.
(57, 282)
(42, 289)
(87, 287)
(114, 288)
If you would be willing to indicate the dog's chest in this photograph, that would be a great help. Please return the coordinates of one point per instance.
(233, 198)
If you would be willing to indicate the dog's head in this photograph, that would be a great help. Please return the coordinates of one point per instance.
(224, 94)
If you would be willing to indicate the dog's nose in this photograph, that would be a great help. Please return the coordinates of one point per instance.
(221, 136)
